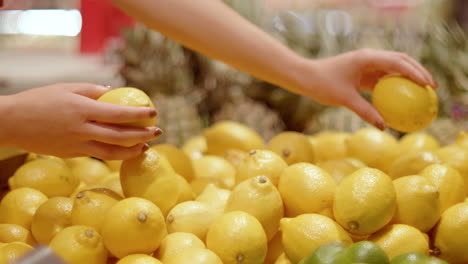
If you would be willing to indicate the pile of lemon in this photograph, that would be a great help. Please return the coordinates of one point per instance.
(229, 197)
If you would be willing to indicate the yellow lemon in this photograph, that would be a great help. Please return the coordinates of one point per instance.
(341, 168)
(213, 169)
(178, 160)
(457, 157)
(237, 237)
(462, 139)
(90, 171)
(261, 163)
(139, 227)
(195, 147)
(305, 188)
(191, 217)
(293, 147)
(214, 197)
(451, 235)
(19, 206)
(72, 162)
(13, 251)
(275, 249)
(404, 105)
(90, 206)
(226, 135)
(114, 165)
(235, 157)
(79, 244)
(373, 147)
(399, 239)
(151, 176)
(282, 259)
(34, 156)
(112, 182)
(51, 217)
(418, 203)
(195, 256)
(138, 259)
(417, 141)
(449, 184)
(15, 233)
(51, 177)
(129, 96)
(81, 187)
(186, 193)
(330, 146)
(175, 243)
(365, 201)
(301, 236)
(412, 163)
(260, 198)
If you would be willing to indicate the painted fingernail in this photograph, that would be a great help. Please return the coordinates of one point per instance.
(158, 132)
(380, 125)
(145, 147)
(153, 113)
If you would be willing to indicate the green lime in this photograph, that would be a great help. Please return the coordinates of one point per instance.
(325, 254)
(365, 252)
(410, 258)
(434, 260)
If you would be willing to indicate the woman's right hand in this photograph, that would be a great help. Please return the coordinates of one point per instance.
(65, 120)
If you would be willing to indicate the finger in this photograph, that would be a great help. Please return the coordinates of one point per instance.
(113, 152)
(387, 61)
(120, 135)
(369, 79)
(92, 91)
(429, 78)
(366, 111)
(118, 114)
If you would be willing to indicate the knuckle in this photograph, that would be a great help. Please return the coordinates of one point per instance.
(364, 57)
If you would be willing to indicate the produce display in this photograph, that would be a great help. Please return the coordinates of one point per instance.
(227, 196)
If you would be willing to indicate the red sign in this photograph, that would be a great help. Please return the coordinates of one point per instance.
(101, 21)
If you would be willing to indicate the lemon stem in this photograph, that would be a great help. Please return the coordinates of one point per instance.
(170, 219)
(142, 217)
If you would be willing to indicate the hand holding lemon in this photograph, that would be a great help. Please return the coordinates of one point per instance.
(67, 120)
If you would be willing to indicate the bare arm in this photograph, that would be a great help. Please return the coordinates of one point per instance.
(212, 28)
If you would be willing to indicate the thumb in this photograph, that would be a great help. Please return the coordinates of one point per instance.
(92, 91)
(366, 111)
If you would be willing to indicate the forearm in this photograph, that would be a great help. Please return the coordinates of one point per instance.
(6, 106)
(212, 28)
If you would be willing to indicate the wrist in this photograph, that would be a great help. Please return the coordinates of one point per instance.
(300, 73)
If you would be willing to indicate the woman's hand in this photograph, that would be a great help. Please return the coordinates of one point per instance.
(65, 120)
(335, 81)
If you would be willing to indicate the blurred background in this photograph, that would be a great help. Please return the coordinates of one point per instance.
(49, 41)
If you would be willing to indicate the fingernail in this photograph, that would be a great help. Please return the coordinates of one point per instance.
(158, 132)
(145, 147)
(108, 86)
(153, 113)
(380, 125)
